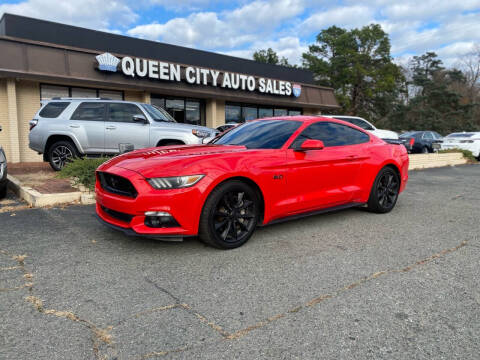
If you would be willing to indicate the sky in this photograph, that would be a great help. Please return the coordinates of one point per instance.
(240, 27)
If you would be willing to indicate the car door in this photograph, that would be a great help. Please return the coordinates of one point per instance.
(327, 177)
(121, 129)
(427, 139)
(87, 124)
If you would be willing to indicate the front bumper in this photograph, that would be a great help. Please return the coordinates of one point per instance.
(183, 204)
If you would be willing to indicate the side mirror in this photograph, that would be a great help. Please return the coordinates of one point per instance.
(140, 119)
(311, 144)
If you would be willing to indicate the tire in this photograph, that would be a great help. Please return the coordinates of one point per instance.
(60, 153)
(384, 193)
(3, 191)
(425, 150)
(230, 215)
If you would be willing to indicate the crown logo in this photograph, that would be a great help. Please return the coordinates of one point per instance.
(107, 62)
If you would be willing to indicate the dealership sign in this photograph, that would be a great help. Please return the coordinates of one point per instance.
(160, 70)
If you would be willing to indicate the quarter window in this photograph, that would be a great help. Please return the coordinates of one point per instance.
(123, 112)
(331, 134)
(90, 111)
(53, 110)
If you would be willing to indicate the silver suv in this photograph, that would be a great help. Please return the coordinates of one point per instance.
(65, 128)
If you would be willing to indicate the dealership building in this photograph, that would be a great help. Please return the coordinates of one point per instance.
(40, 60)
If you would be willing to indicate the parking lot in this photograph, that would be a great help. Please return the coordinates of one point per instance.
(346, 285)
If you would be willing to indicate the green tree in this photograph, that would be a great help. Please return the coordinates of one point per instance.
(436, 101)
(269, 56)
(358, 65)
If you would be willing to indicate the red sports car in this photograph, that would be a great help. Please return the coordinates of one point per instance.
(259, 173)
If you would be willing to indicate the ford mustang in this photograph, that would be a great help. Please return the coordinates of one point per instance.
(258, 173)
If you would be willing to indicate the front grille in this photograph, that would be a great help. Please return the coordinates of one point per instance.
(116, 184)
(117, 214)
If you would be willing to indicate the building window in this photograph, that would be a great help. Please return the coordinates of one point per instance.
(183, 110)
(244, 112)
(47, 92)
(110, 94)
(263, 113)
(280, 112)
(233, 113)
(249, 113)
(192, 112)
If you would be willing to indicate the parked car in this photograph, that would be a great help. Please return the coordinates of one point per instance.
(463, 140)
(365, 125)
(65, 128)
(261, 172)
(3, 172)
(420, 141)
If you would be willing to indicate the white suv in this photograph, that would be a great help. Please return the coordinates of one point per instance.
(65, 128)
(365, 125)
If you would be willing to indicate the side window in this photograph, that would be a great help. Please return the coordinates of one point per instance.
(90, 111)
(53, 110)
(428, 136)
(118, 112)
(331, 134)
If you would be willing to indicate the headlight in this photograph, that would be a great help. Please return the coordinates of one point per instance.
(201, 133)
(176, 182)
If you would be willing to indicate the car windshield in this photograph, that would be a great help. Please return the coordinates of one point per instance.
(260, 134)
(157, 114)
(408, 134)
(454, 135)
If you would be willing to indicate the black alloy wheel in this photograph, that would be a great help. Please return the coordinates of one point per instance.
(60, 154)
(229, 216)
(384, 193)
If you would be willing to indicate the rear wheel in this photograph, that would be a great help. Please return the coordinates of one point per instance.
(425, 150)
(229, 215)
(60, 153)
(384, 193)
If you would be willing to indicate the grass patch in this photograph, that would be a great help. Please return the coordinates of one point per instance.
(467, 154)
(82, 171)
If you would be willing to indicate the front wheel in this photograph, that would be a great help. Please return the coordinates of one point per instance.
(229, 215)
(425, 150)
(384, 193)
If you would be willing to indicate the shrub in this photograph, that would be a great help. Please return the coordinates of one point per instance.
(82, 171)
(467, 154)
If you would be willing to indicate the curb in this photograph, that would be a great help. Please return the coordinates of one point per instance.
(37, 199)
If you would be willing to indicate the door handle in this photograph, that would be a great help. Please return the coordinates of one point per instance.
(352, 157)
(111, 127)
(75, 126)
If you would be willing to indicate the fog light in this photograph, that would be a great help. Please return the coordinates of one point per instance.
(157, 213)
(160, 219)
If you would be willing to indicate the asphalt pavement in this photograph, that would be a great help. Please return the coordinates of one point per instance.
(345, 285)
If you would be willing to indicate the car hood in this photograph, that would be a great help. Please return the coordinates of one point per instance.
(149, 162)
